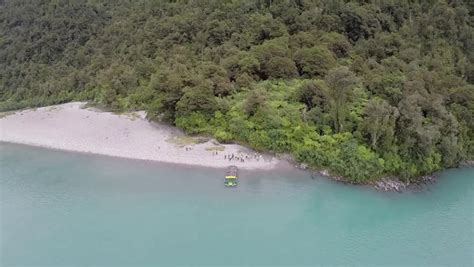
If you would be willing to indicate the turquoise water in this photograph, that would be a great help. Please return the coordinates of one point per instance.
(60, 208)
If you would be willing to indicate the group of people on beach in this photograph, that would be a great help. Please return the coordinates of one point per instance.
(242, 157)
(234, 157)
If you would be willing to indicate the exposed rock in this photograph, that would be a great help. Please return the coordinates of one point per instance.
(467, 163)
(286, 157)
(428, 179)
(390, 185)
(386, 184)
(324, 173)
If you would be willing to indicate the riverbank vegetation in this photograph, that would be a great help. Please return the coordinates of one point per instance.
(364, 89)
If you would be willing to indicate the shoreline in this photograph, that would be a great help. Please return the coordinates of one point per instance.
(72, 127)
(280, 167)
(76, 128)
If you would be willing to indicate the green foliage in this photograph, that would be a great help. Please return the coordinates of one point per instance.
(193, 123)
(196, 99)
(314, 61)
(337, 43)
(313, 94)
(281, 68)
(254, 101)
(274, 60)
(341, 82)
(361, 88)
(342, 155)
(379, 123)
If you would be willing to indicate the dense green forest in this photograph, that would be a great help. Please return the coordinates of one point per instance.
(362, 88)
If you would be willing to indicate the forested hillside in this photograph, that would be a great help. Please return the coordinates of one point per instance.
(362, 88)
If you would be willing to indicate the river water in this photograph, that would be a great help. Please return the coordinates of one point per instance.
(68, 209)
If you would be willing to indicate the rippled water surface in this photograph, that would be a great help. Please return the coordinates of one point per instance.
(60, 208)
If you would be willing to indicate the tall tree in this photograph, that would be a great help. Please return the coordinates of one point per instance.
(379, 122)
(341, 82)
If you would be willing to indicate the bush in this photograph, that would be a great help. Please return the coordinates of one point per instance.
(315, 61)
(194, 123)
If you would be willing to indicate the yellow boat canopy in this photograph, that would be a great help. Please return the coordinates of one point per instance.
(231, 177)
